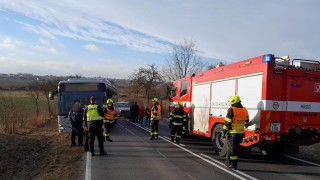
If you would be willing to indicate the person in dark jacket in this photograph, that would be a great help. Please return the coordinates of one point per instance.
(177, 117)
(134, 112)
(147, 113)
(75, 117)
(93, 122)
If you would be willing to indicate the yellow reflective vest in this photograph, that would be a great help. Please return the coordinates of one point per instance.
(92, 113)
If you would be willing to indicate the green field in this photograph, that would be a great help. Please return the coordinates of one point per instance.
(10, 83)
(26, 102)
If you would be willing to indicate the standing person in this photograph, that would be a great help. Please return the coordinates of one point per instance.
(147, 113)
(93, 120)
(141, 115)
(155, 117)
(110, 115)
(236, 120)
(135, 112)
(132, 112)
(75, 117)
(177, 117)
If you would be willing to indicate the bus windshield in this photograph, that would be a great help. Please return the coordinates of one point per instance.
(66, 99)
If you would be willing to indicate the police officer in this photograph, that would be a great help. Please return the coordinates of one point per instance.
(177, 117)
(236, 120)
(93, 121)
(155, 117)
(110, 115)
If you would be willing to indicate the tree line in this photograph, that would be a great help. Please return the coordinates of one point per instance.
(183, 61)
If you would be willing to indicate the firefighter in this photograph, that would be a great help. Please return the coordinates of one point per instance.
(177, 117)
(155, 117)
(110, 115)
(236, 120)
(93, 121)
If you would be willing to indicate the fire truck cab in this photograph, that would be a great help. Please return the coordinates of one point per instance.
(282, 97)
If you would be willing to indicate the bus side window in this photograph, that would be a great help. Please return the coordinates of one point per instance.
(184, 87)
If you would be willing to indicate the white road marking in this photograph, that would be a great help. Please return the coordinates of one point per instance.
(297, 159)
(218, 162)
(88, 167)
(200, 157)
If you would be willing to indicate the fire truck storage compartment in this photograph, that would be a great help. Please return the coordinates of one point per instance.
(200, 107)
(249, 89)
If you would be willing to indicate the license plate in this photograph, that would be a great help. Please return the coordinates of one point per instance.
(275, 127)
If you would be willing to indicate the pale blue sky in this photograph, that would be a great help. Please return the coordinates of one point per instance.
(111, 38)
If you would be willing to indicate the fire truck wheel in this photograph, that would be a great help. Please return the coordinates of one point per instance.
(273, 150)
(216, 138)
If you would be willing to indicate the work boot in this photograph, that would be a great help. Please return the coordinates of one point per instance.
(103, 153)
(227, 163)
(157, 137)
(86, 149)
(108, 139)
(234, 165)
(152, 138)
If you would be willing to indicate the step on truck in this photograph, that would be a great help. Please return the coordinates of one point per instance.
(282, 97)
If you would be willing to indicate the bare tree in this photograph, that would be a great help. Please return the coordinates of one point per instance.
(147, 78)
(183, 61)
(35, 93)
(46, 87)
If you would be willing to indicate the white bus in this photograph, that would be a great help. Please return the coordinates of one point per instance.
(80, 90)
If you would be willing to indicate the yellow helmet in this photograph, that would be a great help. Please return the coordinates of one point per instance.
(180, 103)
(155, 99)
(109, 101)
(234, 99)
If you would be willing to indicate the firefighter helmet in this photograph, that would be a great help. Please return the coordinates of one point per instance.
(234, 99)
(180, 103)
(155, 100)
(109, 101)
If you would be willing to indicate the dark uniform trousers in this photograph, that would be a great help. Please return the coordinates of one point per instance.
(154, 128)
(95, 129)
(108, 126)
(233, 143)
(176, 129)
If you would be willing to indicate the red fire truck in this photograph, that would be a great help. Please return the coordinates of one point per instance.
(282, 97)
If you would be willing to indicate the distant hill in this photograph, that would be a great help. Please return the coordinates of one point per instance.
(20, 81)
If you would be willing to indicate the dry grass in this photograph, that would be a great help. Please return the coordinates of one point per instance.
(17, 112)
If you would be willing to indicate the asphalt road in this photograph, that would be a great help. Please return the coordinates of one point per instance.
(132, 155)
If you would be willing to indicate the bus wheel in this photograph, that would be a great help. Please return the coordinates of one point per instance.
(217, 142)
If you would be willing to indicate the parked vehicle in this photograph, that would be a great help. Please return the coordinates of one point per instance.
(282, 97)
(122, 108)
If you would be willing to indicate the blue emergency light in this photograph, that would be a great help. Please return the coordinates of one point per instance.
(267, 58)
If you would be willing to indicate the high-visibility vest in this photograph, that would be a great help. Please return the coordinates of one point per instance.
(240, 118)
(92, 113)
(154, 111)
(109, 116)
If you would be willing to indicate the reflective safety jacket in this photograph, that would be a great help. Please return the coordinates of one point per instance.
(236, 120)
(92, 113)
(178, 116)
(155, 112)
(110, 114)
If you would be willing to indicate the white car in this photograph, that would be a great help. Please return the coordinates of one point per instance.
(122, 108)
